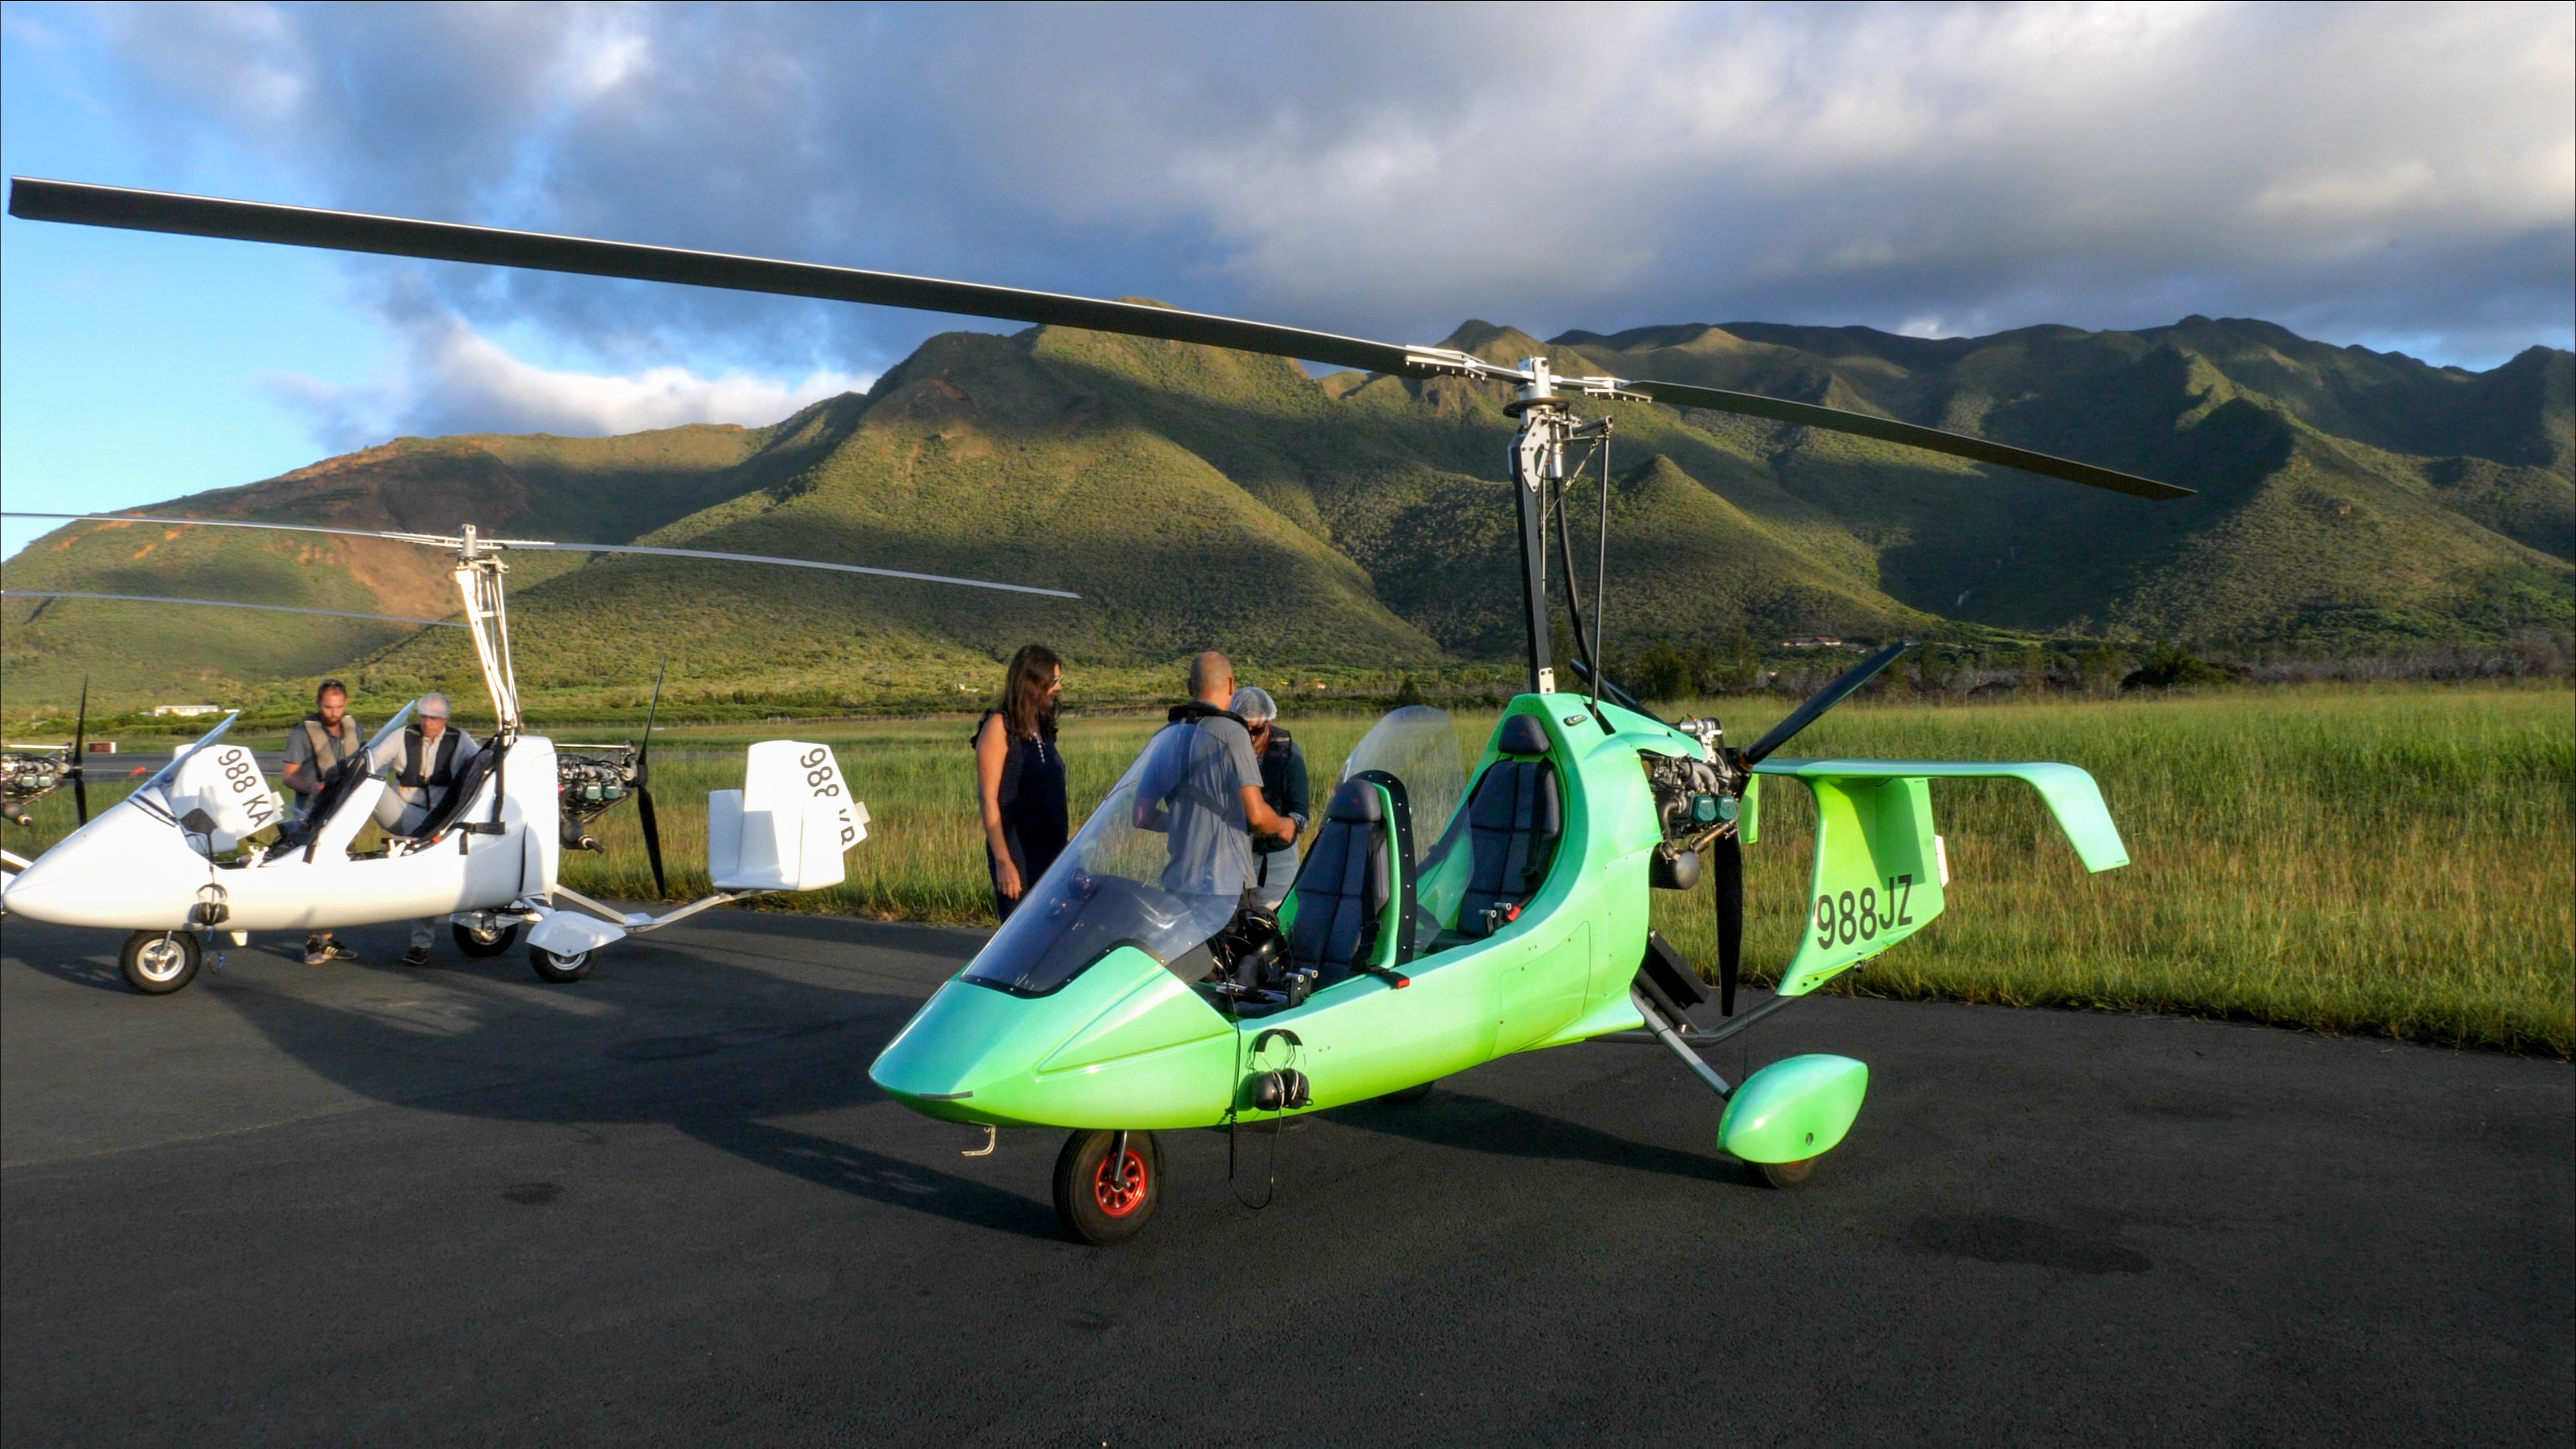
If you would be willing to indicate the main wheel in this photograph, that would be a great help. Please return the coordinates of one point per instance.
(1786, 1175)
(157, 963)
(560, 970)
(484, 943)
(1097, 1202)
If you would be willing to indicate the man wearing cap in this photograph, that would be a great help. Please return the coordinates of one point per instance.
(319, 744)
(1283, 786)
(427, 761)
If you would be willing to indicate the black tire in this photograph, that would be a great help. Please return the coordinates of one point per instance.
(1409, 1095)
(559, 970)
(484, 943)
(1092, 1207)
(1786, 1175)
(157, 963)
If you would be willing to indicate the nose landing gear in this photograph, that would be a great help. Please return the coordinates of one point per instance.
(1107, 1184)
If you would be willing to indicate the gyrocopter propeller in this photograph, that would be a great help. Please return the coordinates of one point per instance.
(1128, 993)
(29, 773)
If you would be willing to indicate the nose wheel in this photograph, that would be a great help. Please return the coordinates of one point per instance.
(1107, 1185)
(157, 963)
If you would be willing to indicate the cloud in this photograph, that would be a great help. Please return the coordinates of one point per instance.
(2357, 172)
(457, 380)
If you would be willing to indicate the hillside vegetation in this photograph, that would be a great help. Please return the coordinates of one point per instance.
(2349, 501)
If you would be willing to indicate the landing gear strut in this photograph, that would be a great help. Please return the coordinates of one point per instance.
(1107, 1184)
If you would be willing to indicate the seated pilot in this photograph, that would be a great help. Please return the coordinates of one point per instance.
(427, 759)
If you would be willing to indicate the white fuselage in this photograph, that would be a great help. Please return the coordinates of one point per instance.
(134, 868)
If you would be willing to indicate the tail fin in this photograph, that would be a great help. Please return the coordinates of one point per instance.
(786, 828)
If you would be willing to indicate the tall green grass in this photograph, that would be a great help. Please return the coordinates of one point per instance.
(2399, 860)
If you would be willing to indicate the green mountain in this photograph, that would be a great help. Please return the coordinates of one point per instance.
(2348, 500)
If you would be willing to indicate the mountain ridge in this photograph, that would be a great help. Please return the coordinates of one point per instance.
(2348, 499)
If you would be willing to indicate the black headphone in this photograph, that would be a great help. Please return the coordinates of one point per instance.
(1286, 1087)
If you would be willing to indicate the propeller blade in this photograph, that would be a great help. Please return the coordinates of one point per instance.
(80, 755)
(1727, 886)
(1824, 699)
(643, 752)
(79, 203)
(541, 545)
(1889, 430)
(652, 838)
(222, 604)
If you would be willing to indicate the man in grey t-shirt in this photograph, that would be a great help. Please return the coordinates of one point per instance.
(1206, 791)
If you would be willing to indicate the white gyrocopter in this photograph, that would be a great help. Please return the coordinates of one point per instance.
(175, 861)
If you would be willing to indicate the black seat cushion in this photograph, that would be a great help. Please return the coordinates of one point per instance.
(1342, 891)
(1513, 823)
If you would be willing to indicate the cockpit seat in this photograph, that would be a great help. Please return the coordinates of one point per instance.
(1514, 821)
(460, 796)
(1340, 900)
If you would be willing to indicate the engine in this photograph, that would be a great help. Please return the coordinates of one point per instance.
(1697, 799)
(27, 776)
(586, 785)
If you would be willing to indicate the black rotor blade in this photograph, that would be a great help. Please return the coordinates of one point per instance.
(1726, 884)
(70, 201)
(1889, 430)
(652, 838)
(1824, 699)
(80, 755)
(36, 199)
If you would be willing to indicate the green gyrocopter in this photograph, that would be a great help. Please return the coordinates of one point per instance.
(1442, 917)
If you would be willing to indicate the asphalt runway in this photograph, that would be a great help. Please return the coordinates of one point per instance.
(452, 1205)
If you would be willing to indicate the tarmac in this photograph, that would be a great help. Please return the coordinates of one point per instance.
(359, 1203)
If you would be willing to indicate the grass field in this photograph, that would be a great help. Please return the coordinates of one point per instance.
(2398, 860)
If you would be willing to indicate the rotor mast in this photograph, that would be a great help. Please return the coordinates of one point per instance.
(478, 582)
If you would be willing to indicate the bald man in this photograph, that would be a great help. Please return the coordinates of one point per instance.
(1208, 796)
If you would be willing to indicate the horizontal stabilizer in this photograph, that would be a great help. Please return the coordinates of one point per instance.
(2068, 791)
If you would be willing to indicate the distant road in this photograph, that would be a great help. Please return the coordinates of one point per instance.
(363, 1204)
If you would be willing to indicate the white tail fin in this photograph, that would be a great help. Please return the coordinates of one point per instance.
(786, 828)
(224, 781)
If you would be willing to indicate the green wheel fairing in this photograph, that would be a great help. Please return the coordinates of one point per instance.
(1794, 1109)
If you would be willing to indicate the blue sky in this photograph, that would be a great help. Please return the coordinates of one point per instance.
(2399, 177)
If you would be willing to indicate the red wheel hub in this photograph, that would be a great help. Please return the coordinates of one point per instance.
(1116, 1199)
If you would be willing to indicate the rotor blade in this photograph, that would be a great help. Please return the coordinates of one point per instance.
(1822, 700)
(799, 563)
(652, 838)
(428, 538)
(80, 753)
(644, 752)
(1727, 886)
(222, 604)
(1888, 430)
(548, 546)
(34, 199)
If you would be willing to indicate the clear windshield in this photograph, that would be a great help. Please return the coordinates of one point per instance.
(1160, 866)
(1418, 745)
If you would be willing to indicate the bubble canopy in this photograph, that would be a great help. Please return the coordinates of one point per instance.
(1160, 866)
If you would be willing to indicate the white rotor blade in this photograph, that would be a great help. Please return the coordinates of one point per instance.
(440, 541)
(222, 604)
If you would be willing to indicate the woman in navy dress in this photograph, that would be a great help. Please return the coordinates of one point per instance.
(1019, 777)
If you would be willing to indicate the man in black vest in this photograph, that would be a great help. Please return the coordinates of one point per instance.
(426, 760)
(315, 749)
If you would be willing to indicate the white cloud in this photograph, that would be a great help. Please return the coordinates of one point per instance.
(457, 380)
(2351, 170)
